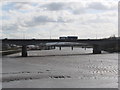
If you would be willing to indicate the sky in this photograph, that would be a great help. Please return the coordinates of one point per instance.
(45, 19)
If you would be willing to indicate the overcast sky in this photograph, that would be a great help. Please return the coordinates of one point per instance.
(47, 18)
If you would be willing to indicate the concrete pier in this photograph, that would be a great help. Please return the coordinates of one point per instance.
(96, 49)
(71, 47)
(24, 51)
(60, 48)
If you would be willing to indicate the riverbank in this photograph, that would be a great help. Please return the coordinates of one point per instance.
(8, 52)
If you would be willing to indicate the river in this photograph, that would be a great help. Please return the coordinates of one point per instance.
(65, 68)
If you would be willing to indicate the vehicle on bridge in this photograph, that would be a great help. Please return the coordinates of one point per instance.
(69, 38)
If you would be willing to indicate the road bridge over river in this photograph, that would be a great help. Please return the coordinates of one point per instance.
(95, 43)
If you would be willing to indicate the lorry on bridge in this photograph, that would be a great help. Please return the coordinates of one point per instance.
(69, 38)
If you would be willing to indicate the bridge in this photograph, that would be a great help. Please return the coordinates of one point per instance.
(95, 43)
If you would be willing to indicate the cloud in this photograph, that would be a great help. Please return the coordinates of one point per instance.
(39, 20)
(72, 7)
(25, 21)
(103, 5)
(10, 27)
(80, 7)
(55, 6)
(23, 6)
(61, 18)
(42, 20)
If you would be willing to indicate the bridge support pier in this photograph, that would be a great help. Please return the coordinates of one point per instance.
(71, 47)
(96, 49)
(60, 48)
(24, 51)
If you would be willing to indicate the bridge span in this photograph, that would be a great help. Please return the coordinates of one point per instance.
(95, 43)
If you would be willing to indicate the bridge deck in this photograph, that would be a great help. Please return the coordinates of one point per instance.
(37, 41)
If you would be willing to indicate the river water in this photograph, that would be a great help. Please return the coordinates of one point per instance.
(65, 68)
